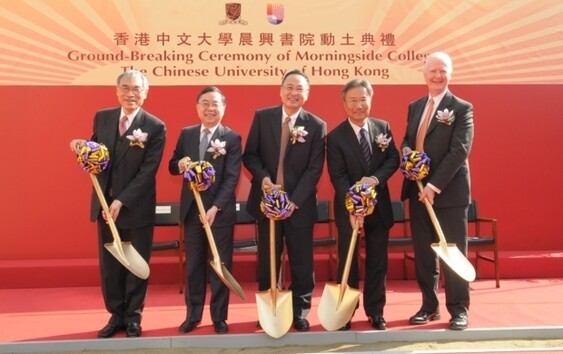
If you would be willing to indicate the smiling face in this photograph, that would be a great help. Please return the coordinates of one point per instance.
(357, 104)
(294, 93)
(210, 109)
(437, 74)
(131, 93)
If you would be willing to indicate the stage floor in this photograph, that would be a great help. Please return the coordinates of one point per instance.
(69, 318)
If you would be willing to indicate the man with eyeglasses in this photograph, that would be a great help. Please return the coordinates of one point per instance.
(221, 147)
(129, 186)
(361, 149)
(298, 171)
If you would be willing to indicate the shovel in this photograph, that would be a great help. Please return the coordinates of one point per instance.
(124, 252)
(338, 301)
(448, 252)
(218, 266)
(275, 307)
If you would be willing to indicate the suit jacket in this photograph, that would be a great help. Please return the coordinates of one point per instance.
(132, 169)
(447, 146)
(227, 171)
(303, 163)
(347, 165)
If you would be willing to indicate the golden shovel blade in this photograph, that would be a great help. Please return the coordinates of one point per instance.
(336, 309)
(128, 256)
(452, 256)
(227, 278)
(275, 311)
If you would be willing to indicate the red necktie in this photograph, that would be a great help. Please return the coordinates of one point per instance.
(283, 146)
(424, 126)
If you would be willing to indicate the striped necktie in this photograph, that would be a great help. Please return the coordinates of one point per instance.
(364, 144)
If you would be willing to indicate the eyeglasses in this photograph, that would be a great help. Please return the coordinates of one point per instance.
(207, 104)
(126, 89)
(354, 102)
(291, 88)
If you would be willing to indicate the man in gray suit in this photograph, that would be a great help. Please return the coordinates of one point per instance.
(219, 202)
(348, 163)
(301, 166)
(135, 140)
(446, 123)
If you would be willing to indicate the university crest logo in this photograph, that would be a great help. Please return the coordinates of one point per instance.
(274, 13)
(232, 12)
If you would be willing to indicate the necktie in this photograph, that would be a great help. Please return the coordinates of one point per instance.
(283, 146)
(122, 125)
(364, 144)
(203, 144)
(424, 126)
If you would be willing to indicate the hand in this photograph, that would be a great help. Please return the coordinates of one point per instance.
(210, 215)
(183, 164)
(267, 184)
(356, 221)
(292, 208)
(114, 210)
(427, 193)
(76, 145)
(370, 181)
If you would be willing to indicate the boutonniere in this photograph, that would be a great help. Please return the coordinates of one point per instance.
(138, 138)
(445, 117)
(298, 134)
(383, 141)
(217, 148)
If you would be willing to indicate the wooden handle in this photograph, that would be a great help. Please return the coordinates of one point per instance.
(206, 226)
(105, 208)
(433, 217)
(348, 264)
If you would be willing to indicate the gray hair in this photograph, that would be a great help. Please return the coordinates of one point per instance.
(443, 57)
(357, 83)
(129, 74)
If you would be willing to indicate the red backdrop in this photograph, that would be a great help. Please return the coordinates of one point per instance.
(515, 162)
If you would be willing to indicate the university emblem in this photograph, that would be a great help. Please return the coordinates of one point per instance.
(274, 13)
(232, 12)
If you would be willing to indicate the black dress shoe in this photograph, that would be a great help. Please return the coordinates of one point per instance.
(423, 317)
(133, 329)
(458, 322)
(109, 330)
(188, 326)
(346, 327)
(301, 324)
(220, 327)
(378, 322)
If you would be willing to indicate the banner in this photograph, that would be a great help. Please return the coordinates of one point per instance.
(253, 42)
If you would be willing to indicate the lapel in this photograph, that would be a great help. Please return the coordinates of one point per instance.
(443, 104)
(302, 120)
(138, 123)
(275, 124)
(218, 134)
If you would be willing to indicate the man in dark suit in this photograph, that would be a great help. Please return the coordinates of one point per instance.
(301, 167)
(221, 147)
(347, 164)
(447, 135)
(129, 185)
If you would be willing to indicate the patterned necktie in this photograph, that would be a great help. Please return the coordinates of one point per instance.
(122, 125)
(203, 144)
(283, 146)
(365, 146)
(424, 126)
